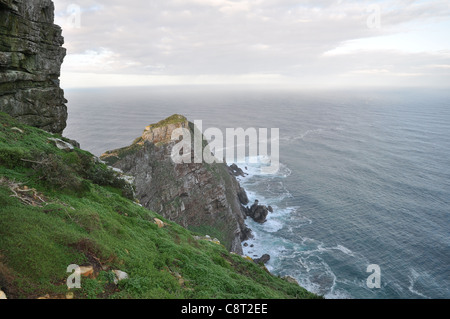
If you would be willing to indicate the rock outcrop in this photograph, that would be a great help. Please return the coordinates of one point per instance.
(257, 212)
(201, 197)
(235, 170)
(264, 259)
(31, 55)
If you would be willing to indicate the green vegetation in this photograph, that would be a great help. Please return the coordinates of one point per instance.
(59, 208)
(173, 119)
(112, 157)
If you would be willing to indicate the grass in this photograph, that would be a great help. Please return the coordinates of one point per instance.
(97, 225)
(112, 157)
(173, 119)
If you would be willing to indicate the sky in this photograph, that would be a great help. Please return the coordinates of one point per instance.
(299, 43)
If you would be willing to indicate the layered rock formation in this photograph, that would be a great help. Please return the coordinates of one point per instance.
(202, 197)
(31, 55)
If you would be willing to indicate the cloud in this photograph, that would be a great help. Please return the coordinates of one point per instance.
(226, 40)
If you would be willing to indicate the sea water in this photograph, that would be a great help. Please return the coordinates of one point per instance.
(364, 176)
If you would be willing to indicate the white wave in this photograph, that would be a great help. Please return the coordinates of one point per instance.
(306, 264)
(320, 278)
(253, 166)
(278, 190)
(273, 225)
(302, 136)
(320, 248)
(338, 294)
(284, 171)
(345, 250)
(412, 280)
(312, 272)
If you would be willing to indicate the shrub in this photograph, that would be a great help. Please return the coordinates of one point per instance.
(104, 176)
(12, 157)
(57, 174)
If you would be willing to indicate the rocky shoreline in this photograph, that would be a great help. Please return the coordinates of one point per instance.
(203, 198)
(206, 198)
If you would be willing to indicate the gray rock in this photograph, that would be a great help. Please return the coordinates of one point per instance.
(119, 276)
(235, 170)
(73, 142)
(192, 195)
(16, 129)
(258, 212)
(62, 145)
(31, 55)
(264, 259)
(242, 195)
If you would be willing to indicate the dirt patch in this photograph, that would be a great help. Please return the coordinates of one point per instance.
(7, 282)
(93, 254)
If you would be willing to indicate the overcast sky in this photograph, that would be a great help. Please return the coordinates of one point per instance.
(287, 42)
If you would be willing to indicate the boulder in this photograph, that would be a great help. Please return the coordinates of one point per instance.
(119, 275)
(62, 145)
(159, 222)
(246, 234)
(73, 142)
(87, 271)
(264, 259)
(242, 195)
(258, 212)
(235, 170)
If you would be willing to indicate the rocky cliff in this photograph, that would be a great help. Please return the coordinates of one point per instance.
(201, 197)
(31, 55)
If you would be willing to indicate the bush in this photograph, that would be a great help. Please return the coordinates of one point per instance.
(73, 171)
(104, 176)
(12, 157)
(57, 174)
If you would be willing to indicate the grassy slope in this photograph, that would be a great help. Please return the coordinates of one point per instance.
(93, 224)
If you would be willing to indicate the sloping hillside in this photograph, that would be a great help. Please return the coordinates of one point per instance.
(61, 206)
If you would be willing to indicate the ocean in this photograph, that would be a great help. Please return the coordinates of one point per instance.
(364, 176)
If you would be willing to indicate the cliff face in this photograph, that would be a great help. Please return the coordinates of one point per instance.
(201, 197)
(31, 55)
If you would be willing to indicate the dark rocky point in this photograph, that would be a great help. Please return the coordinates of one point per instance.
(257, 212)
(236, 170)
(195, 195)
